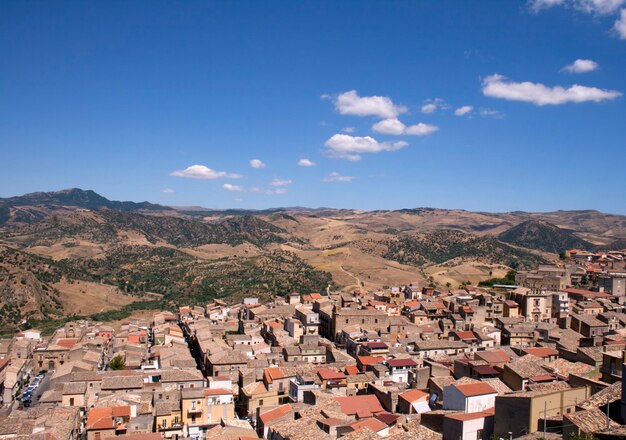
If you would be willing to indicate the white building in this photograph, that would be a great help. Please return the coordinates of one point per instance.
(469, 397)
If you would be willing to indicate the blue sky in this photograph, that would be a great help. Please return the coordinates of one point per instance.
(451, 104)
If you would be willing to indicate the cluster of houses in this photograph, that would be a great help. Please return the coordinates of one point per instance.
(541, 359)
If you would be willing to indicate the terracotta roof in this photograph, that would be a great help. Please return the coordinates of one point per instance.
(329, 374)
(376, 345)
(362, 406)
(351, 370)
(542, 378)
(216, 391)
(371, 423)
(590, 421)
(414, 395)
(493, 357)
(387, 418)
(395, 363)
(275, 414)
(67, 343)
(104, 418)
(541, 352)
(485, 370)
(475, 389)
(587, 293)
(273, 373)
(464, 417)
(370, 360)
(465, 335)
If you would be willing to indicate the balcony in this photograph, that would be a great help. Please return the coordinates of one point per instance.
(196, 410)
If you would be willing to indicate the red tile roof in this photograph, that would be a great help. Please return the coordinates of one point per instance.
(465, 335)
(587, 293)
(485, 370)
(376, 345)
(414, 396)
(104, 418)
(371, 423)
(362, 406)
(216, 391)
(329, 374)
(475, 389)
(541, 352)
(493, 357)
(275, 414)
(273, 373)
(351, 370)
(387, 418)
(67, 343)
(370, 360)
(542, 378)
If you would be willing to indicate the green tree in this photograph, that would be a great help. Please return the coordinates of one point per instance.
(117, 363)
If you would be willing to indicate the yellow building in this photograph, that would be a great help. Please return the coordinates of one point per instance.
(521, 413)
(203, 408)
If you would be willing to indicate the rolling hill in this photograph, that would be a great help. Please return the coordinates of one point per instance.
(75, 251)
(542, 235)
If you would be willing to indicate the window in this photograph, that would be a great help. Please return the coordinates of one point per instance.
(71, 401)
(164, 424)
(261, 402)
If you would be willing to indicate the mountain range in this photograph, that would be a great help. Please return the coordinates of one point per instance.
(76, 252)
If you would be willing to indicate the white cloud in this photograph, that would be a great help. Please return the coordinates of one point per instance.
(394, 126)
(336, 177)
(620, 25)
(537, 5)
(491, 113)
(344, 146)
(497, 86)
(168, 190)
(348, 129)
(463, 110)
(229, 187)
(431, 105)
(389, 126)
(581, 66)
(204, 173)
(279, 182)
(599, 7)
(429, 108)
(256, 163)
(350, 103)
(306, 163)
(269, 192)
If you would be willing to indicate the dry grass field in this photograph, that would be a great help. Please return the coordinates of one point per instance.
(85, 298)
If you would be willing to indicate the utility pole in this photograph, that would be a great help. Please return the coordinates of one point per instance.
(545, 411)
(608, 404)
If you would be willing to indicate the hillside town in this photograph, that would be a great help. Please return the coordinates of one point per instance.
(543, 358)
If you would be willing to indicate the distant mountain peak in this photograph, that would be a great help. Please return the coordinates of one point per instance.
(543, 235)
(74, 197)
